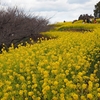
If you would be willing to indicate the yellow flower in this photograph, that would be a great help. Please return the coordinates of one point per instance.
(25, 92)
(55, 83)
(72, 72)
(83, 98)
(47, 88)
(54, 71)
(21, 92)
(38, 98)
(44, 92)
(11, 77)
(65, 80)
(26, 98)
(30, 93)
(46, 74)
(69, 65)
(4, 98)
(90, 96)
(90, 86)
(80, 73)
(67, 72)
(13, 98)
(28, 78)
(62, 90)
(98, 89)
(61, 95)
(33, 97)
(54, 92)
(84, 86)
(17, 85)
(98, 95)
(21, 65)
(55, 98)
(97, 85)
(9, 88)
(24, 86)
(28, 82)
(48, 67)
(6, 94)
(22, 78)
(8, 82)
(1, 84)
(74, 96)
(34, 86)
(77, 67)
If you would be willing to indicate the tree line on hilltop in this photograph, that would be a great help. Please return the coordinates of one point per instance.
(89, 18)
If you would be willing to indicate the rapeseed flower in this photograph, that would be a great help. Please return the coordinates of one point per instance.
(74, 96)
(90, 96)
(84, 86)
(98, 95)
(98, 89)
(64, 68)
(21, 92)
(30, 93)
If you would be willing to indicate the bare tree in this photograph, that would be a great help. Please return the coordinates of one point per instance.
(16, 26)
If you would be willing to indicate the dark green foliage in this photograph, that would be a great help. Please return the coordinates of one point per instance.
(97, 10)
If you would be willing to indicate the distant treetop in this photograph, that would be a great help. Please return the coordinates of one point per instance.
(97, 10)
(85, 16)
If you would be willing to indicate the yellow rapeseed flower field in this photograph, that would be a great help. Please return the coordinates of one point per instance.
(66, 67)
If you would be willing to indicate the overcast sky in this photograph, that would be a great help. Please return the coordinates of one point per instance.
(56, 10)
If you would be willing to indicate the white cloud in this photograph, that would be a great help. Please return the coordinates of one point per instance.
(60, 9)
(77, 1)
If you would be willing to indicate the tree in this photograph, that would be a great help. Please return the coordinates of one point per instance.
(97, 10)
(17, 27)
(85, 16)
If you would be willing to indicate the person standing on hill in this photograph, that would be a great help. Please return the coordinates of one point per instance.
(88, 20)
(95, 20)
